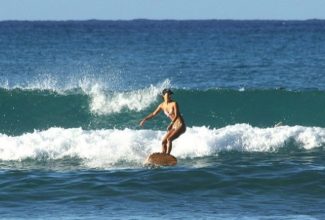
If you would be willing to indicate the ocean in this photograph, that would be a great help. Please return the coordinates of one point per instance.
(72, 94)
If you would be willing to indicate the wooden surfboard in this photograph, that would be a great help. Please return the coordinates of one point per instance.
(160, 159)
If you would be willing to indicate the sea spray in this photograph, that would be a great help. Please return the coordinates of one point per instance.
(103, 102)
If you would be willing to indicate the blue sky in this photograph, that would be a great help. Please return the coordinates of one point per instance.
(161, 9)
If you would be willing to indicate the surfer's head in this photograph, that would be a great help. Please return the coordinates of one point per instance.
(168, 91)
(166, 94)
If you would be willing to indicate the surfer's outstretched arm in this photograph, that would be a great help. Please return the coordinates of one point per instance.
(151, 115)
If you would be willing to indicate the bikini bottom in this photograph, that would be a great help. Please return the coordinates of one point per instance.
(177, 124)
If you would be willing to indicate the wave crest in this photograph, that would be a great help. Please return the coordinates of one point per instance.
(103, 103)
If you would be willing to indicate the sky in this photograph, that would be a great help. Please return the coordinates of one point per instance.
(161, 9)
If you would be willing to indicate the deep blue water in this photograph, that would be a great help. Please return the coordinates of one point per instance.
(72, 94)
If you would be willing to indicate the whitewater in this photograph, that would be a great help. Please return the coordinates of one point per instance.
(113, 148)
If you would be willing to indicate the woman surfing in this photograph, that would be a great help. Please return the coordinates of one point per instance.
(176, 127)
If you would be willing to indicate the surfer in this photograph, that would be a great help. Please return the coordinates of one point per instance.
(176, 127)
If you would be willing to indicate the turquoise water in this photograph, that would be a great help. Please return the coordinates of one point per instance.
(26, 110)
(72, 95)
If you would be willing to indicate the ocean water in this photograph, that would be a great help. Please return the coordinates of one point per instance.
(72, 94)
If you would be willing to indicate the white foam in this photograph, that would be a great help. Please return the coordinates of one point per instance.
(4, 83)
(104, 97)
(103, 102)
(108, 148)
(202, 141)
(39, 82)
(99, 148)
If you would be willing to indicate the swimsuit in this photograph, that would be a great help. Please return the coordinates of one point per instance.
(167, 114)
(178, 123)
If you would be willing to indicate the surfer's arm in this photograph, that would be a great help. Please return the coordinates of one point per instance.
(151, 115)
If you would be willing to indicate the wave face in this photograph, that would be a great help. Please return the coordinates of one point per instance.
(113, 148)
(92, 107)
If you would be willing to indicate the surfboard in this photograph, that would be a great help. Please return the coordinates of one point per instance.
(160, 159)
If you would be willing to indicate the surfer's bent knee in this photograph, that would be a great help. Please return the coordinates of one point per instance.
(176, 135)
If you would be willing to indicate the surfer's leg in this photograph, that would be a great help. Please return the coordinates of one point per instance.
(172, 136)
(169, 146)
(164, 146)
(164, 142)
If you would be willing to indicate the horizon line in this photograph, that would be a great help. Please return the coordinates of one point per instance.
(149, 19)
